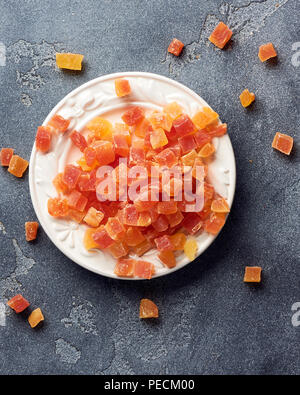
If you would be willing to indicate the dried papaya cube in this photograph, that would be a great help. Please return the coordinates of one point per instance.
(164, 243)
(160, 119)
(183, 125)
(88, 241)
(133, 116)
(75, 215)
(174, 110)
(189, 158)
(115, 229)
(215, 223)
(58, 207)
(220, 206)
(175, 47)
(142, 128)
(190, 249)
(122, 87)
(59, 123)
(283, 143)
(221, 35)
(124, 267)
(167, 207)
(84, 166)
(131, 216)
(207, 150)
(136, 155)
(161, 224)
(121, 145)
(187, 143)
(18, 303)
(105, 153)
(148, 309)
(192, 223)
(142, 248)
(202, 138)
(43, 138)
(158, 138)
(178, 241)
(144, 219)
(59, 185)
(143, 269)
(166, 158)
(78, 140)
(266, 51)
(77, 200)
(252, 274)
(247, 98)
(175, 218)
(17, 166)
(134, 237)
(93, 217)
(205, 117)
(71, 176)
(217, 131)
(35, 318)
(167, 258)
(122, 129)
(31, 229)
(102, 238)
(6, 155)
(70, 61)
(118, 249)
(90, 156)
(101, 128)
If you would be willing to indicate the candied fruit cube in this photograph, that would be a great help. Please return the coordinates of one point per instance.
(167, 258)
(102, 238)
(173, 109)
(75, 215)
(78, 140)
(77, 200)
(161, 224)
(122, 87)
(202, 138)
(90, 156)
(122, 129)
(43, 138)
(192, 223)
(148, 309)
(166, 158)
(205, 117)
(136, 155)
(247, 98)
(221, 35)
(118, 249)
(59, 123)
(134, 237)
(167, 207)
(142, 248)
(58, 207)
(220, 206)
(71, 176)
(105, 153)
(35, 318)
(115, 229)
(207, 150)
(283, 143)
(215, 223)
(183, 125)
(142, 128)
(175, 218)
(218, 131)
(158, 138)
(190, 249)
(143, 269)
(93, 217)
(175, 47)
(252, 274)
(187, 143)
(160, 120)
(124, 267)
(266, 52)
(178, 241)
(131, 215)
(6, 155)
(121, 145)
(17, 166)
(189, 158)
(31, 229)
(59, 185)
(70, 61)
(88, 241)
(101, 128)
(164, 243)
(133, 116)
(18, 303)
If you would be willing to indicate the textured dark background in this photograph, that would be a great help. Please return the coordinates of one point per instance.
(211, 322)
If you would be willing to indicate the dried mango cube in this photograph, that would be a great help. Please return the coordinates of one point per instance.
(247, 98)
(105, 152)
(167, 258)
(18, 303)
(71, 176)
(59, 123)
(134, 237)
(143, 269)
(93, 217)
(175, 47)
(215, 223)
(160, 120)
(178, 241)
(75, 215)
(202, 138)
(69, 61)
(115, 229)
(221, 35)
(59, 185)
(174, 110)
(167, 158)
(161, 224)
(121, 145)
(189, 158)
(175, 218)
(220, 206)
(167, 207)
(133, 116)
(118, 250)
(6, 155)
(205, 117)
(142, 128)
(142, 248)
(252, 274)
(35, 318)
(77, 200)
(101, 128)
(102, 238)
(17, 166)
(158, 138)
(58, 207)
(190, 249)
(187, 143)
(31, 229)
(88, 240)
(122, 87)
(192, 223)
(266, 51)
(124, 267)
(207, 150)
(283, 143)
(43, 138)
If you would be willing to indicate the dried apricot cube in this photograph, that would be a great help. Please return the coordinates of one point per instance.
(6, 155)
(90, 156)
(183, 125)
(167, 258)
(175, 47)
(70, 61)
(167, 207)
(217, 131)
(133, 116)
(283, 143)
(143, 269)
(121, 145)
(122, 87)
(220, 206)
(18, 303)
(174, 110)
(166, 158)
(93, 217)
(252, 274)
(247, 98)
(148, 309)
(161, 224)
(17, 166)
(31, 229)
(124, 267)
(221, 35)
(101, 128)
(205, 117)
(189, 158)
(175, 218)
(266, 51)
(59, 123)
(58, 207)
(160, 119)
(142, 128)
(78, 140)
(131, 215)
(190, 249)
(102, 238)
(59, 185)
(43, 138)
(35, 318)
(75, 215)
(71, 176)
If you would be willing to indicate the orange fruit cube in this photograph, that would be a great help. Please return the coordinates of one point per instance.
(143, 269)
(148, 309)
(221, 35)
(105, 152)
(178, 241)
(35, 318)
(31, 229)
(122, 87)
(252, 274)
(190, 249)
(118, 249)
(70, 61)
(134, 237)
(133, 116)
(58, 207)
(266, 51)
(101, 128)
(17, 166)
(78, 140)
(283, 143)
(88, 240)
(115, 229)
(175, 218)
(175, 47)
(247, 98)
(43, 138)
(6, 155)
(174, 110)
(215, 223)
(207, 150)
(93, 217)
(167, 258)
(59, 123)
(160, 120)
(18, 303)
(124, 267)
(158, 138)
(141, 248)
(205, 117)
(220, 206)
(59, 185)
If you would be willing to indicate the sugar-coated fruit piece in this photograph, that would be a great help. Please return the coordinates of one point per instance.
(266, 52)
(90, 156)
(189, 158)
(161, 224)
(35, 318)
(101, 128)
(187, 143)
(221, 35)
(217, 130)
(142, 128)
(18, 303)
(142, 248)
(166, 158)
(175, 47)
(134, 237)
(115, 229)
(207, 150)
(59, 123)
(58, 207)
(178, 241)
(167, 258)
(75, 215)
(205, 117)
(252, 274)
(93, 217)
(78, 140)
(247, 98)
(160, 119)
(71, 176)
(167, 207)
(175, 218)
(202, 138)
(173, 109)
(122, 87)
(283, 143)
(220, 206)
(6, 155)
(105, 153)
(143, 269)
(183, 125)
(190, 249)
(70, 61)
(121, 145)
(148, 309)
(133, 116)
(59, 185)
(77, 200)
(88, 241)
(158, 138)
(125, 268)
(119, 249)
(17, 166)
(43, 138)
(164, 243)
(215, 223)
(31, 229)
(192, 223)
(102, 238)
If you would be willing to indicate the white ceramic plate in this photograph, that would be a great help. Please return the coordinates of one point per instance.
(98, 97)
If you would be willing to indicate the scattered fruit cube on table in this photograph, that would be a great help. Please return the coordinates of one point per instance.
(69, 61)
(221, 35)
(266, 52)
(18, 303)
(252, 274)
(6, 155)
(35, 318)
(175, 47)
(247, 98)
(148, 309)
(283, 143)
(31, 229)
(17, 166)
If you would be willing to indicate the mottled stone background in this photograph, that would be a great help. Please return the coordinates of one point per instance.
(211, 323)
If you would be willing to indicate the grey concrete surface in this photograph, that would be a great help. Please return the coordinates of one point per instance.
(211, 322)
